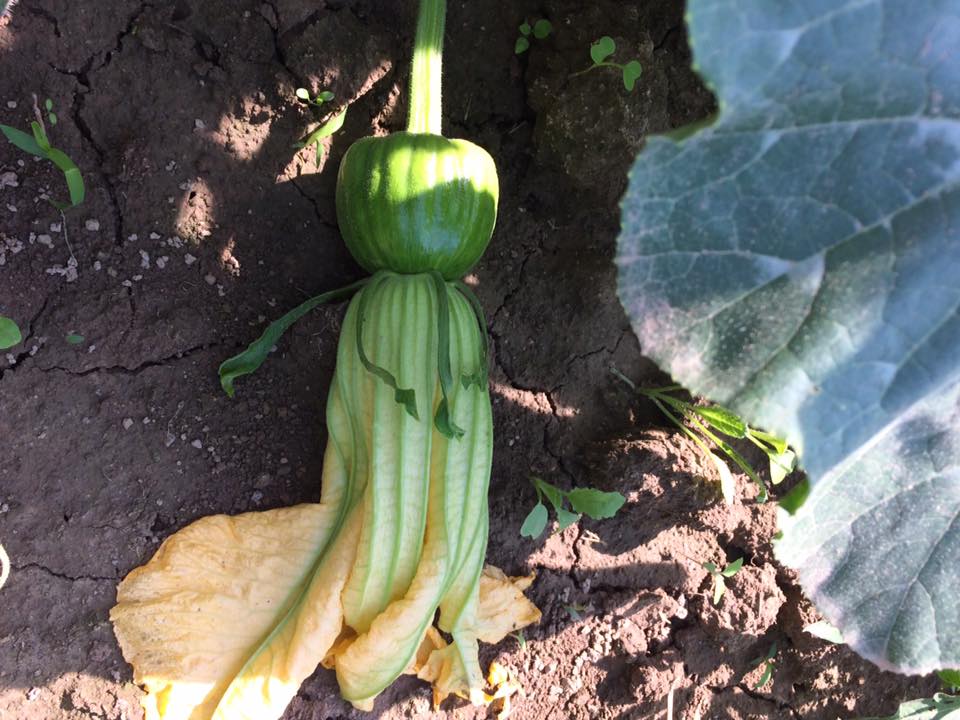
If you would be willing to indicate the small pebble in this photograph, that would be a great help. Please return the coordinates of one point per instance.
(127, 423)
(92, 225)
(211, 280)
(197, 444)
(189, 259)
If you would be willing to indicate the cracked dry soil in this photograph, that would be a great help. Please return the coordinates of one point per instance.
(201, 222)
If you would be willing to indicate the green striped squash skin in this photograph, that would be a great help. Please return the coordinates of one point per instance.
(411, 203)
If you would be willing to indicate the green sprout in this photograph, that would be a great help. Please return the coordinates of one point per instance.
(540, 30)
(319, 99)
(719, 586)
(769, 665)
(51, 115)
(711, 421)
(520, 638)
(574, 610)
(38, 144)
(10, 334)
(602, 49)
(325, 130)
(74, 339)
(591, 502)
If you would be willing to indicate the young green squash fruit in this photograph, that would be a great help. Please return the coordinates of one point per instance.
(417, 202)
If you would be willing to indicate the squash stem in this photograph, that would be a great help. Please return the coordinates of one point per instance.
(425, 78)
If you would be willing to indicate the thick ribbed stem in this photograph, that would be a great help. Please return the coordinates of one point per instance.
(427, 67)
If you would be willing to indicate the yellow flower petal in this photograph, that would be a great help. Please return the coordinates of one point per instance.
(189, 620)
(503, 606)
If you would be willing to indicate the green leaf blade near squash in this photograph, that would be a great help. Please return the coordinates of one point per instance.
(596, 504)
(10, 334)
(797, 261)
(535, 522)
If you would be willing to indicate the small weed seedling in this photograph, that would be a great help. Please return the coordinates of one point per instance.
(574, 610)
(315, 136)
(318, 100)
(6, 6)
(37, 143)
(520, 638)
(603, 49)
(540, 30)
(719, 586)
(10, 334)
(591, 502)
(710, 422)
(73, 338)
(940, 707)
(51, 115)
(768, 662)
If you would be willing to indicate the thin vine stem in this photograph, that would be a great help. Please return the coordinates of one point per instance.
(605, 63)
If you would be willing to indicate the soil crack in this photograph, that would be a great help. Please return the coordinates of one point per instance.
(316, 206)
(747, 690)
(124, 370)
(45, 15)
(666, 36)
(64, 576)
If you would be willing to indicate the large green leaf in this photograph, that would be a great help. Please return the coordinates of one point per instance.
(799, 262)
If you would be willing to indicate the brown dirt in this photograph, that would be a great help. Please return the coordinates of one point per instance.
(201, 222)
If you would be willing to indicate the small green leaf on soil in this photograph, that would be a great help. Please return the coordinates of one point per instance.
(722, 420)
(597, 504)
(733, 568)
(9, 333)
(566, 519)
(535, 522)
(602, 49)
(631, 73)
(542, 28)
